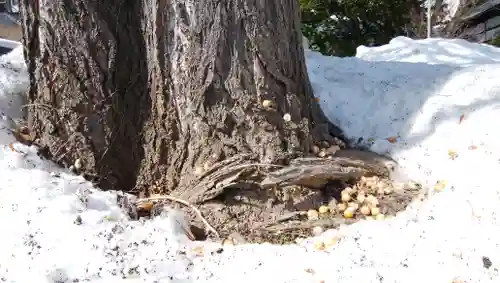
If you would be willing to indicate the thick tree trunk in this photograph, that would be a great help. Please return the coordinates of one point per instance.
(145, 93)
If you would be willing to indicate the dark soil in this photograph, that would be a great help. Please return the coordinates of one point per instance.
(255, 214)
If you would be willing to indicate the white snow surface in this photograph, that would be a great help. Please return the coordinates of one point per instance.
(383, 92)
(452, 7)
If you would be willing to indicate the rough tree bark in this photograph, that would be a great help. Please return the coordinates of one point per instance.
(145, 93)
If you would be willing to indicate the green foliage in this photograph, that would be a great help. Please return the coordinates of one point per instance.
(495, 41)
(337, 27)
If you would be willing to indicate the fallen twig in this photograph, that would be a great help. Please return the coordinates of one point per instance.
(195, 209)
(282, 218)
(295, 225)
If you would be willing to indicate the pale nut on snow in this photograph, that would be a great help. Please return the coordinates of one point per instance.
(349, 212)
(78, 164)
(287, 117)
(312, 214)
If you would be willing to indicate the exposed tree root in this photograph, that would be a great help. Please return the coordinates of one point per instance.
(310, 172)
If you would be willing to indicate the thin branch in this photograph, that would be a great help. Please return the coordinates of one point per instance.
(195, 209)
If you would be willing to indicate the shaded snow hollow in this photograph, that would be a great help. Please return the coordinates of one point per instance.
(414, 90)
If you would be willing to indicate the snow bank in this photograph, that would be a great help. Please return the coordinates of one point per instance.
(57, 228)
(455, 52)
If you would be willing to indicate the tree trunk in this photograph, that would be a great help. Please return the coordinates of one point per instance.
(150, 94)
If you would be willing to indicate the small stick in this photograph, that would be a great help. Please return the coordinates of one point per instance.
(209, 227)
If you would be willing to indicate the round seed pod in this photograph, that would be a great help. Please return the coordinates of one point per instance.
(349, 212)
(323, 209)
(354, 205)
(375, 211)
(287, 117)
(312, 214)
(341, 207)
(365, 210)
(345, 197)
(321, 153)
(78, 164)
(267, 103)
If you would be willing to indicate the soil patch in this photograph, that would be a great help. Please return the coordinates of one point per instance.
(280, 216)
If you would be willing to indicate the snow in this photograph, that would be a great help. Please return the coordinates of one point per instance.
(58, 228)
(452, 7)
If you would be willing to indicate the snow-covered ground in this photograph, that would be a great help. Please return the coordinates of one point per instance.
(435, 96)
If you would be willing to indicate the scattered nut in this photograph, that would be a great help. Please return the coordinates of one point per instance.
(323, 209)
(321, 153)
(369, 183)
(145, 206)
(365, 210)
(375, 211)
(380, 217)
(345, 197)
(267, 103)
(78, 164)
(312, 214)
(380, 185)
(341, 207)
(371, 200)
(319, 245)
(349, 212)
(287, 117)
(440, 186)
(330, 242)
(363, 180)
(354, 205)
(388, 190)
